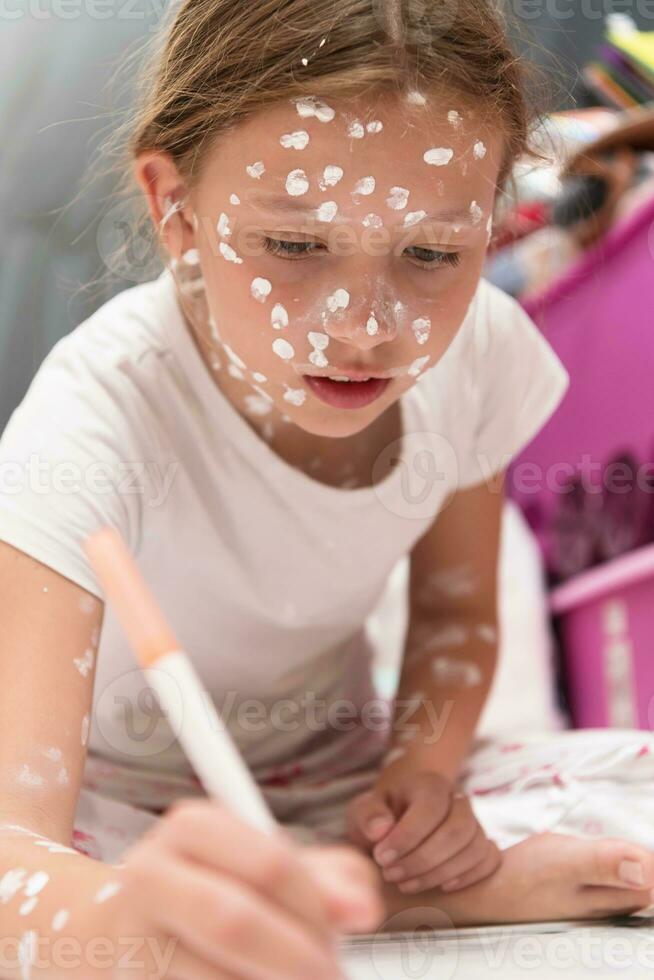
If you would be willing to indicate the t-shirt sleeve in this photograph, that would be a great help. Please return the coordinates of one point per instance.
(65, 457)
(519, 382)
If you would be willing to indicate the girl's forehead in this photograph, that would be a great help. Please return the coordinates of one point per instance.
(312, 144)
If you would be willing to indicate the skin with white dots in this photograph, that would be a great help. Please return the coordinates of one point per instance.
(329, 163)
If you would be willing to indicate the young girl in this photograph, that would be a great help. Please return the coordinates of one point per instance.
(318, 384)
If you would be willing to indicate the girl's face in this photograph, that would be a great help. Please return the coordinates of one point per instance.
(342, 241)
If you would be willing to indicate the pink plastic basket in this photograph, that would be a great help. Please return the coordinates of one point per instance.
(607, 623)
(586, 482)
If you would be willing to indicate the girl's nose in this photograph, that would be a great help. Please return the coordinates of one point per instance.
(362, 330)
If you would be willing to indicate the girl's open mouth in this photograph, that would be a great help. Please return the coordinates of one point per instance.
(345, 393)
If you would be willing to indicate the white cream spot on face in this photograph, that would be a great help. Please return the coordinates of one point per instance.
(458, 673)
(53, 753)
(283, 349)
(318, 340)
(393, 756)
(310, 106)
(330, 177)
(413, 217)
(257, 405)
(374, 126)
(372, 326)
(54, 847)
(454, 118)
(36, 883)
(234, 358)
(297, 183)
(414, 97)
(399, 198)
(258, 377)
(479, 150)
(228, 253)
(418, 365)
(295, 396)
(421, 329)
(260, 289)
(223, 226)
(438, 156)
(327, 211)
(191, 256)
(318, 359)
(27, 777)
(340, 300)
(298, 140)
(234, 199)
(355, 130)
(255, 170)
(365, 186)
(85, 729)
(11, 883)
(107, 891)
(372, 221)
(60, 919)
(279, 317)
(84, 664)
(476, 213)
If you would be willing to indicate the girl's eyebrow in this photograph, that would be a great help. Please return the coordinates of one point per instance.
(283, 204)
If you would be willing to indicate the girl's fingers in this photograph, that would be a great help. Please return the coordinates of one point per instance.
(369, 819)
(449, 840)
(233, 928)
(437, 875)
(271, 865)
(426, 811)
(486, 867)
(352, 887)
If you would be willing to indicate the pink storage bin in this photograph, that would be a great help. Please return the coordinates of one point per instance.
(599, 318)
(607, 625)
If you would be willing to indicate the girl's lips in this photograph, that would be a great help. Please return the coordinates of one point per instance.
(347, 394)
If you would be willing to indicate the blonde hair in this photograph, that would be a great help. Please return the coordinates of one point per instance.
(222, 61)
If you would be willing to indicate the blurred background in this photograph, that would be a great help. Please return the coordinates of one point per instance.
(573, 242)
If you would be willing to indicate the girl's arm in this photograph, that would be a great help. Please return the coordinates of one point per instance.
(49, 625)
(451, 646)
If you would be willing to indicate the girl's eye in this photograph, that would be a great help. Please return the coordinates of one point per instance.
(288, 249)
(430, 257)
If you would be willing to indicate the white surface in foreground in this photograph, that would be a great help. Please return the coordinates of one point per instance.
(553, 950)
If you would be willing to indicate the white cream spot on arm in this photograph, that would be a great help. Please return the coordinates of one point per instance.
(27, 777)
(53, 753)
(85, 664)
(107, 891)
(85, 729)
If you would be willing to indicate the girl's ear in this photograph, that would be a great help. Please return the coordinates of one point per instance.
(164, 189)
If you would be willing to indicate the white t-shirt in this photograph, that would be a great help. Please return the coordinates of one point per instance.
(266, 575)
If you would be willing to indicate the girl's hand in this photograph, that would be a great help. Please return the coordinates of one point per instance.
(422, 833)
(216, 899)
